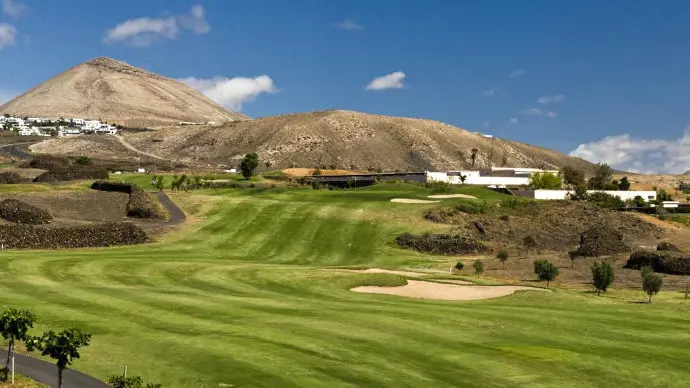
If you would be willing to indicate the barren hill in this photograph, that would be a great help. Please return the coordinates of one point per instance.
(343, 139)
(118, 93)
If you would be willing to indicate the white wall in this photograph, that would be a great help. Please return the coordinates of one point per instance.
(563, 194)
(473, 178)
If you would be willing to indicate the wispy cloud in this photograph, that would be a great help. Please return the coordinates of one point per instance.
(8, 35)
(517, 73)
(552, 99)
(539, 112)
(513, 120)
(639, 155)
(141, 32)
(13, 7)
(232, 93)
(388, 81)
(348, 24)
(488, 93)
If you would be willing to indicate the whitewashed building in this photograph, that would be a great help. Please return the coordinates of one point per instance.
(495, 176)
(564, 194)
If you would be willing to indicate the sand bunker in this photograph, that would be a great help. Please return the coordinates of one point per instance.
(410, 200)
(437, 291)
(446, 196)
(379, 270)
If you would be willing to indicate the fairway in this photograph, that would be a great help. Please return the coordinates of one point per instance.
(241, 295)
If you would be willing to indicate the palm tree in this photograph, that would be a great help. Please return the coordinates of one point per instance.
(474, 155)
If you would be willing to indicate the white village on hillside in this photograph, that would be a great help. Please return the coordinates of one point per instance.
(40, 126)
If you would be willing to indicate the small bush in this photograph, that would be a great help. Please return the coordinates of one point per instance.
(444, 244)
(478, 267)
(545, 270)
(459, 265)
(502, 256)
(605, 200)
(602, 276)
(82, 160)
(22, 213)
(651, 284)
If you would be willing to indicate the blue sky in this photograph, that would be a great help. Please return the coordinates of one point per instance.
(613, 77)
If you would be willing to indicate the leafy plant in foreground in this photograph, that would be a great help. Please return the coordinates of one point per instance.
(14, 326)
(62, 346)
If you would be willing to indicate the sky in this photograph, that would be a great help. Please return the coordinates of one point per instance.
(604, 80)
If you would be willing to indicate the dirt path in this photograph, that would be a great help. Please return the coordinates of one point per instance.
(177, 216)
(410, 200)
(46, 373)
(437, 291)
(132, 148)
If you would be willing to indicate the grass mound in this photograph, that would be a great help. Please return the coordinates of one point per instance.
(94, 235)
(667, 262)
(445, 244)
(22, 213)
(141, 204)
(601, 241)
(11, 178)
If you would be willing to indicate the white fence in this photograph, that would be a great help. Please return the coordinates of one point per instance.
(563, 194)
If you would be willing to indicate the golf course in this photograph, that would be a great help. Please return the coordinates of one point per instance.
(251, 291)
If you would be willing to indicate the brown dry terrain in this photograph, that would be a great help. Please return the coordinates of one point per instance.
(342, 139)
(117, 93)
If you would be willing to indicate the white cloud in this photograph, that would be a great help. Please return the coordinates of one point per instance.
(348, 24)
(141, 32)
(488, 93)
(539, 112)
(517, 73)
(639, 155)
(232, 93)
(513, 120)
(552, 99)
(388, 81)
(8, 35)
(196, 20)
(13, 7)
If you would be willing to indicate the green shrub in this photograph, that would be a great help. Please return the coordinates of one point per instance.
(651, 284)
(605, 200)
(471, 207)
(545, 270)
(82, 160)
(602, 276)
(478, 267)
(502, 256)
(459, 265)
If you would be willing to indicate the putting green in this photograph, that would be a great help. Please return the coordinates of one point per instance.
(239, 296)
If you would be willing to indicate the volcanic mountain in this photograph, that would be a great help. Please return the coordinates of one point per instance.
(117, 93)
(334, 138)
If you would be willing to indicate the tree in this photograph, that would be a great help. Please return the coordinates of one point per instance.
(267, 164)
(530, 243)
(249, 164)
(572, 176)
(459, 265)
(63, 347)
(478, 267)
(130, 382)
(651, 284)
(545, 270)
(502, 256)
(624, 184)
(545, 181)
(463, 178)
(602, 176)
(14, 326)
(473, 155)
(160, 182)
(602, 276)
(504, 160)
(572, 255)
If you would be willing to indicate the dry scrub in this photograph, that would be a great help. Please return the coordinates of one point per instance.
(22, 213)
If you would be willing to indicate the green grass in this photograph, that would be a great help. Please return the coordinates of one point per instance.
(680, 218)
(243, 296)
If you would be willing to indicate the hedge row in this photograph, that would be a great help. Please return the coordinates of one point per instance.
(660, 261)
(140, 205)
(22, 213)
(93, 235)
(72, 173)
(601, 241)
(10, 178)
(445, 244)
